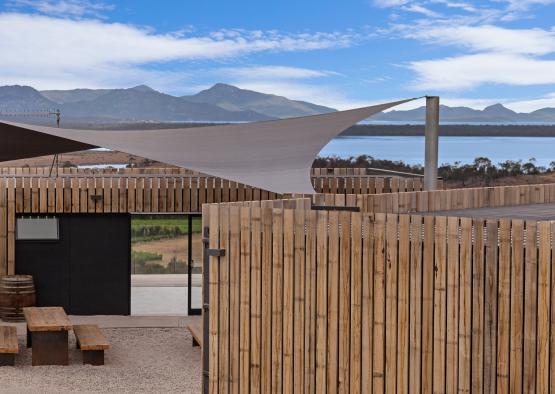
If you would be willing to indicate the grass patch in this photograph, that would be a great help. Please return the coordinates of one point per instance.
(154, 227)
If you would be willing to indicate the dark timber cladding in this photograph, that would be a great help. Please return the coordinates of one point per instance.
(351, 302)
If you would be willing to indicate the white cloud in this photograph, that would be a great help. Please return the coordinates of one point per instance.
(463, 72)
(523, 5)
(490, 38)
(390, 3)
(273, 72)
(71, 8)
(50, 52)
(495, 55)
(416, 8)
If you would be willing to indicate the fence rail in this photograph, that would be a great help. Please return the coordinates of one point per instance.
(320, 301)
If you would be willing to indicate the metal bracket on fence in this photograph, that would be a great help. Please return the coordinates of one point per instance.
(334, 208)
(215, 252)
(97, 197)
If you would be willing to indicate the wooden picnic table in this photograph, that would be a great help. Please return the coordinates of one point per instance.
(47, 334)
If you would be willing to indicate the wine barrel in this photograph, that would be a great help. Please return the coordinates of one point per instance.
(16, 292)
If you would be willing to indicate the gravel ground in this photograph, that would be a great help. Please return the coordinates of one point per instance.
(141, 360)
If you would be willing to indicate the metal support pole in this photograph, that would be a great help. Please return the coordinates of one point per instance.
(431, 143)
(205, 310)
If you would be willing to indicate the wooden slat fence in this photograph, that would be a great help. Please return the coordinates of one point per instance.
(328, 301)
(441, 200)
(339, 181)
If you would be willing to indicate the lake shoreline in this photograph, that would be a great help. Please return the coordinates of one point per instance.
(450, 130)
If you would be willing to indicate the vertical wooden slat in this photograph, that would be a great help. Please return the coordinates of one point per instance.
(321, 301)
(440, 304)
(344, 302)
(266, 307)
(428, 305)
(51, 195)
(147, 195)
(123, 190)
(277, 300)
(391, 278)
(465, 305)
(478, 275)
(234, 296)
(27, 195)
(213, 269)
(299, 301)
(504, 306)
(530, 308)
(356, 303)
(224, 304)
(452, 333)
(118, 187)
(544, 304)
(288, 298)
(310, 303)
(255, 299)
(517, 311)
(35, 195)
(378, 362)
(367, 305)
(244, 327)
(333, 303)
(403, 299)
(415, 329)
(75, 194)
(108, 193)
(155, 190)
(490, 305)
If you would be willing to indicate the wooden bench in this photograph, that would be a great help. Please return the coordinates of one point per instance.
(92, 342)
(47, 334)
(195, 328)
(8, 345)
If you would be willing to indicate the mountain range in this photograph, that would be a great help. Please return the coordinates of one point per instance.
(496, 113)
(219, 103)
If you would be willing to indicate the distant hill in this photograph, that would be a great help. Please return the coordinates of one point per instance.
(496, 113)
(143, 103)
(74, 95)
(23, 98)
(233, 98)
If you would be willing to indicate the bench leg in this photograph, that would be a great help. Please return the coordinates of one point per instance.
(29, 338)
(7, 359)
(50, 348)
(93, 357)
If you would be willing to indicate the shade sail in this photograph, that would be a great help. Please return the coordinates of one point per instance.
(273, 155)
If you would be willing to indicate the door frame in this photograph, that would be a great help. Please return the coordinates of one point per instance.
(189, 216)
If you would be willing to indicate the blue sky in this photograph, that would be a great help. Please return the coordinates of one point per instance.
(339, 53)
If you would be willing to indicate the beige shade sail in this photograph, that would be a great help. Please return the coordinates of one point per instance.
(273, 155)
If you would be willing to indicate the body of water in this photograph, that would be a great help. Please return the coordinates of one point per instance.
(451, 149)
